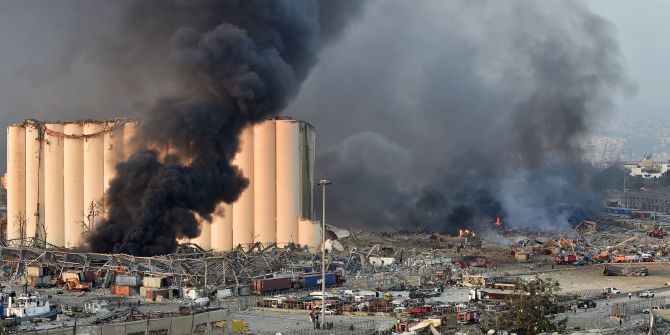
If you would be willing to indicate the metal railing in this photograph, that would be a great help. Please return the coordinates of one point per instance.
(636, 306)
(590, 323)
(357, 328)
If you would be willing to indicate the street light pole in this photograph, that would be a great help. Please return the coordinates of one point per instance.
(323, 183)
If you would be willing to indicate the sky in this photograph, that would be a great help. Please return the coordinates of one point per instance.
(641, 27)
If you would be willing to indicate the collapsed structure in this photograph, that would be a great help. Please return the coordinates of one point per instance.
(58, 174)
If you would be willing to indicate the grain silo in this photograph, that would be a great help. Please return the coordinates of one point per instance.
(265, 178)
(129, 147)
(52, 147)
(205, 238)
(222, 227)
(56, 170)
(16, 181)
(113, 141)
(34, 179)
(288, 180)
(243, 208)
(58, 173)
(73, 182)
(94, 185)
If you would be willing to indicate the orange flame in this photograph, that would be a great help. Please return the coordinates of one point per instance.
(498, 221)
(466, 232)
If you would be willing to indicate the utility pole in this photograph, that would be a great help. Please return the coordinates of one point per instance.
(624, 202)
(323, 183)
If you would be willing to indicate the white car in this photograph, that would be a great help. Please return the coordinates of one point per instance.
(612, 290)
(646, 294)
(656, 308)
(328, 311)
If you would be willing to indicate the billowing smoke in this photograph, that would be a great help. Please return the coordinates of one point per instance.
(235, 63)
(447, 114)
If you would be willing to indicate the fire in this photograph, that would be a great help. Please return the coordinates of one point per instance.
(466, 232)
(498, 221)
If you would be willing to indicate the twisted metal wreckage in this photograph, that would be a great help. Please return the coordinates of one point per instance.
(189, 266)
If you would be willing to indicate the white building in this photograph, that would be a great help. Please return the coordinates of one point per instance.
(647, 168)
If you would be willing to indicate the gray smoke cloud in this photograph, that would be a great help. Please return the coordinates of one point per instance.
(449, 113)
(441, 113)
(196, 72)
(237, 63)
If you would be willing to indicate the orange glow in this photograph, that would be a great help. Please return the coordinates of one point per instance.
(466, 232)
(498, 221)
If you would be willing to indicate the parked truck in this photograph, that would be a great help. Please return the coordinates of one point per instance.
(564, 260)
(658, 232)
(264, 285)
(314, 279)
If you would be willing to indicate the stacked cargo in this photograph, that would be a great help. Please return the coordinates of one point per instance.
(38, 277)
(126, 285)
(152, 289)
(286, 281)
(123, 290)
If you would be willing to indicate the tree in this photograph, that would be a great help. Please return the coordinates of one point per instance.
(22, 222)
(88, 222)
(531, 312)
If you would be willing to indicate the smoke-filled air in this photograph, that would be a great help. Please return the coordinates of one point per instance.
(457, 112)
(442, 114)
(236, 63)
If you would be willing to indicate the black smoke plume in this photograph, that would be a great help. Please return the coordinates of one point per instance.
(235, 63)
(447, 114)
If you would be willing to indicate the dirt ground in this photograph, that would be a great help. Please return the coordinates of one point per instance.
(577, 278)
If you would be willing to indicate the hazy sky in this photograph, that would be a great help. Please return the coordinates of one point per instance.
(643, 29)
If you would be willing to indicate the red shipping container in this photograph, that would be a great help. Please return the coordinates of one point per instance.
(122, 290)
(262, 285)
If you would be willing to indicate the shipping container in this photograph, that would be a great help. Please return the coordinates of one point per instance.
(126, 280)
(152, 294)
(39, 281)
(34, 271)
(262, 285)
(314, 279)
(68, 275)
(152, 282)
(120, 290)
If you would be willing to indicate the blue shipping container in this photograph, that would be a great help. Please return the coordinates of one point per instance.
(314, 279)
(125, 280)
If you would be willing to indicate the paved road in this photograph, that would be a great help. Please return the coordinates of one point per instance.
(266, 321)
